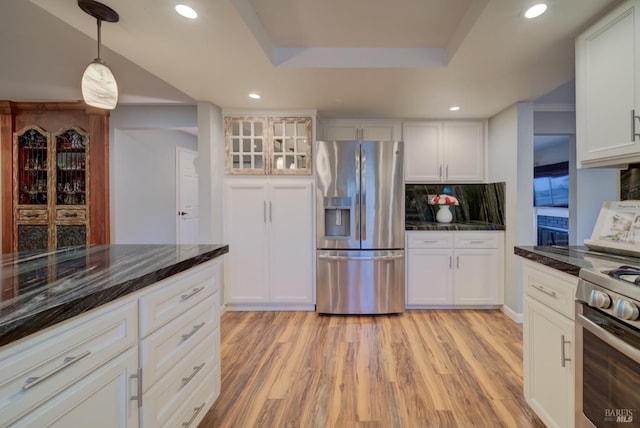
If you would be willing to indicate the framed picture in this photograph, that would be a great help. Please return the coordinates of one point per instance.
(617, 229)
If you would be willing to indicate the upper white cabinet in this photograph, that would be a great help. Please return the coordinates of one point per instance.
(608, 89)
(444, 151)
(369, 130)
(269, 225)
(268, 145)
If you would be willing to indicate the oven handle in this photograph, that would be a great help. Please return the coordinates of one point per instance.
(608, 338)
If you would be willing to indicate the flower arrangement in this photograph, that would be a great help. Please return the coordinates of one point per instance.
(443, 200)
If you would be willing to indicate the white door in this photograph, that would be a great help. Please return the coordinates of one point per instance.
(430, 279)
(476, 277)
(246, 216)
(187, 196)
(290, 243)
(422, 152)
(463, 147)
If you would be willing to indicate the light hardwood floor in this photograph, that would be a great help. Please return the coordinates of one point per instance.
(435, 368)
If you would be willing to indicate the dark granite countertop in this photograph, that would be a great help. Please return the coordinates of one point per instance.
(40, 289)
(471, 225)
(570, 259)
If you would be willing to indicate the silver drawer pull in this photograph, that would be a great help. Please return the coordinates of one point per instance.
(196, 411)
(196, 369)
(429, 242)
(68, 361)
(545, 291)
(563, 355)
(477, 242)
(138, 377)
(192, 332)
(193, 293)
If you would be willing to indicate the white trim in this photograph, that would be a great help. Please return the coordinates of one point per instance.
(268, 113)
(516, 317)
(448, 307)
(270, 307)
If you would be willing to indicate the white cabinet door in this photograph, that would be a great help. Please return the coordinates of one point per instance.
(290, 243)
(608, 88)
(476, 277)
(463, 151)
(422, 152)
(548, 364)
(101, 399)
(246, 233)
(430, 277)
(372, 130)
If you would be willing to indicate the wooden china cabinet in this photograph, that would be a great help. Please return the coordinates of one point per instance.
(55, 182)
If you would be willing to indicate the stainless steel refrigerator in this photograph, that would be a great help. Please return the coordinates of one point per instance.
(359, 227)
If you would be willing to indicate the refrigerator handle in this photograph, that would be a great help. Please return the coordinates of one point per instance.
(363, 192)
(357, 178)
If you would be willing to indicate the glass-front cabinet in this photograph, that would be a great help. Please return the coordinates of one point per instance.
(268, 145)
(51, 188)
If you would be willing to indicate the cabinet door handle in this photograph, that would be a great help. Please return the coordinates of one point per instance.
(430, 242)
(192, 332)
(193, 293)
(196, 369)
(446, 172)
(270, 213)
(477, 242)
(545, 291)
(67, 362)
(457, 262)
(450, 262)
(264, 211)
(138, 377)
(196, 411)
(563, 356)
(440, 173)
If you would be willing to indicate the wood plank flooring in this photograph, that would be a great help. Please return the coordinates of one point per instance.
(432, 368)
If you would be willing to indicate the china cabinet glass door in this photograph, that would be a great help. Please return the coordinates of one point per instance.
(245, 137)
(291, 145)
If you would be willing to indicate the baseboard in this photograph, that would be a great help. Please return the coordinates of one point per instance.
(269, 307)
(223, 309)
(516, 317)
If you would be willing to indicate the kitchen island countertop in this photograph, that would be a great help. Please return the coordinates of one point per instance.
(41, 289)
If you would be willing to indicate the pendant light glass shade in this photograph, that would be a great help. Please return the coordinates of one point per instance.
(99, 87)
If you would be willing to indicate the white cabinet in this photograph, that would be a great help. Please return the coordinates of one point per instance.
(103, 399)
(548, 342)
(444, 151)
(608, 89)
(368, 130)
(180, 346)
(58, 376)
(454, 268)
(269, 225)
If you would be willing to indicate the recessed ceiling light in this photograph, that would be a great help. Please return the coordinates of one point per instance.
(454, 108)
(535, 10)
(254, 96)
(186, 11)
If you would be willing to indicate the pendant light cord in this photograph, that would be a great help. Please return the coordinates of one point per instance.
(99, 38)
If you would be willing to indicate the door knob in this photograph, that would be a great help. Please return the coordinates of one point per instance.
(182, 213)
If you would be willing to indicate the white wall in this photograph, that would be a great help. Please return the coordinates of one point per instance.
(558, 152)
(144, 178)
(511, 161)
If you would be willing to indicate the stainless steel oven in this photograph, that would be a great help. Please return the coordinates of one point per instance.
(608, 348)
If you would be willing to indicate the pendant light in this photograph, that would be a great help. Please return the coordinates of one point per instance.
(99, 87)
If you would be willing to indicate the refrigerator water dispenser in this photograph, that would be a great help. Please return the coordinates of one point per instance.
(337, 217)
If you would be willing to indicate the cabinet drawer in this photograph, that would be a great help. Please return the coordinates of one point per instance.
(166, 396)
(165, 348)
(429, 239)
(549, 286)
(175, 295)
(38, 368)
(71, 216)
(196, 406)
(477, 239)
(33, 216)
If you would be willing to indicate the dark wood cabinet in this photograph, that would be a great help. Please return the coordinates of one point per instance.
(55, 175)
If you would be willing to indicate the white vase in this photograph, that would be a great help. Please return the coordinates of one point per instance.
(444, 214)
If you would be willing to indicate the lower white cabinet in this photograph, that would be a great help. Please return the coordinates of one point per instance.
(111, 368)
(548, 343)
(454, 268)
(103, 399)
(269, 225)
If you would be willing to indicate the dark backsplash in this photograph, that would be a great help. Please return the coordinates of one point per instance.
(478, 202)
(630, 183)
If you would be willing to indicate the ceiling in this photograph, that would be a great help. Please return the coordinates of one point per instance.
(355, 58)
